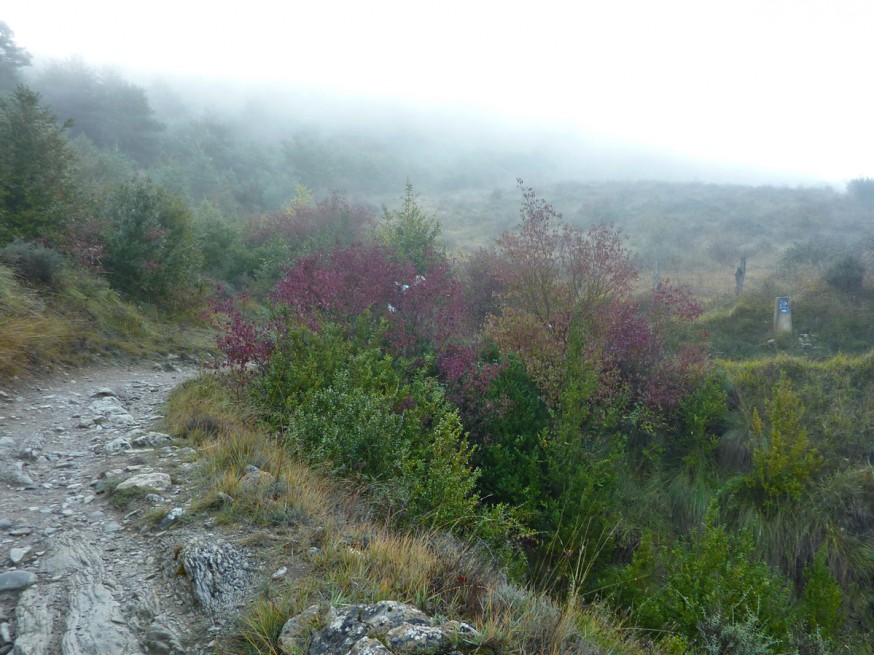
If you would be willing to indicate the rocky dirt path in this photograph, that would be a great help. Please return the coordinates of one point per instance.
(77, 576)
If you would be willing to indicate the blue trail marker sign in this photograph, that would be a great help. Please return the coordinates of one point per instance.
(782, 316)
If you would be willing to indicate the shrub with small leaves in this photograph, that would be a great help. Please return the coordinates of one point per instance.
(717, 573)
(32, 263)
(784, 463)
(822, 598)
(846, 274)
(353, 431)
(719, 634)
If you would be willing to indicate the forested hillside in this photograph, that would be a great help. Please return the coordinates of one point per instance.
(579, 378)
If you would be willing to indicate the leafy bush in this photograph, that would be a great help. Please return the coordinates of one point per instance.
(784, 463)
(846, 274)
(151, 249)
(443, 482)
(32, 263)
(822, 598)
(353, 431)
(359, 412)
(506, 428)
(717, 573)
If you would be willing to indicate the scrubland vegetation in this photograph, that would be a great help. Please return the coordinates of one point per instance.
(527, 425)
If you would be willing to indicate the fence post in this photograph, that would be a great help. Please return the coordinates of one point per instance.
(739, 276)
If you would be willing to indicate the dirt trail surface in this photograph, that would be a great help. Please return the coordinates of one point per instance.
(77, 576)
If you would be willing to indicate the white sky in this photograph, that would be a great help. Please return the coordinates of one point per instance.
(785, 85)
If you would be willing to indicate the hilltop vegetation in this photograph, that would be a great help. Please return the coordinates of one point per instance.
(610, 438)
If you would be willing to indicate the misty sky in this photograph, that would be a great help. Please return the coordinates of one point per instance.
(772, 84)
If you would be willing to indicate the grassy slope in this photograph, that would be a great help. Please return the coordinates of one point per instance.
(77, 320)
(360, 558)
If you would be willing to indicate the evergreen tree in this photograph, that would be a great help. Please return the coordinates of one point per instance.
(38, 194)
(411, 234)
(12, 57)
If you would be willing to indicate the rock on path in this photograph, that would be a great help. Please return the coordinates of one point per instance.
(76, 577)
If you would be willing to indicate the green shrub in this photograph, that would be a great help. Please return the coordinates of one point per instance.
(716, 574)
(702, 413)
(443, 482)
(151, 253)
(362, 414)
(846, 274)
(33, 264)
(302, 363)
(784, 463)
(509, 451)
(822, 598)
(353, 431)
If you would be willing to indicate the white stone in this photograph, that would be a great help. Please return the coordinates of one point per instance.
(19, 555)
(116, 446)
(146, 481)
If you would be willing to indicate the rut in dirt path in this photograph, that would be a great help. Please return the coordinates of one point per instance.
(76, 576)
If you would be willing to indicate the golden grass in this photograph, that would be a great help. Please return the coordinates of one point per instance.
(81, 318)
(29, 341)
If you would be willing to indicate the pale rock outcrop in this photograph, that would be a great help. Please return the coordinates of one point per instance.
(385, 628)
(220, 573)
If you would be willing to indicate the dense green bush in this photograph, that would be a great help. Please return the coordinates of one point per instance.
(363, 414)
(784, 462)
(846, 274)
(717, 574)
(32, 263)
(507, 431)
(151, 252)
(353, 431)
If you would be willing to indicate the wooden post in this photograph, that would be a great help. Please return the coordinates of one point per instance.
(739, 276)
